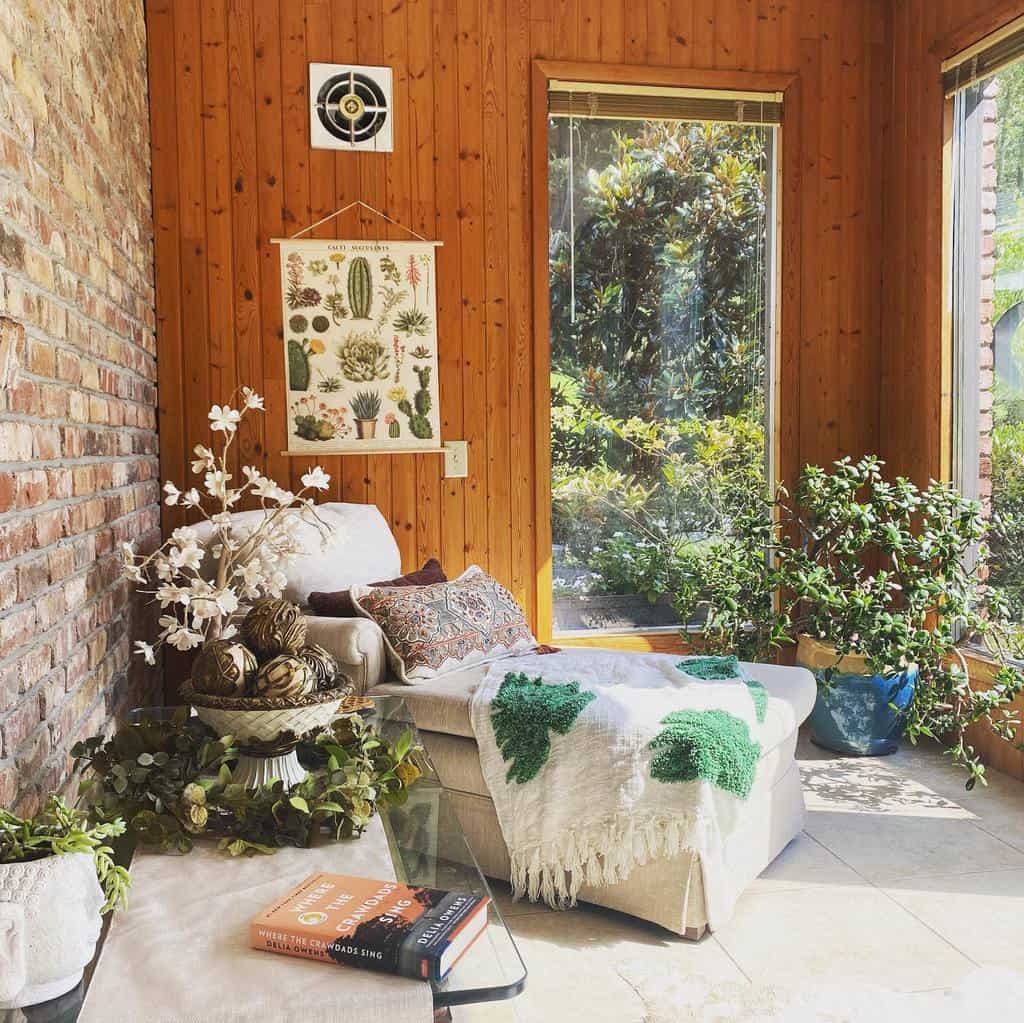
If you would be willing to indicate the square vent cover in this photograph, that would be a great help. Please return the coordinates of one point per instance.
(350, 107)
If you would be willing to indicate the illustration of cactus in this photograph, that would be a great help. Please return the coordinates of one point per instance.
(399, 350)
(389, 268)
(420, 352)
(417, 412)
(412, 321)
(360, 288)
(299, 351)
(365, 407)
(315, 421)
(363, 358)
(413, 276)
(334, 303)
(298, 323)
(320, 323)
(394, 426)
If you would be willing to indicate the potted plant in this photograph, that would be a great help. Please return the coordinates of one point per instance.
(57, 876)
(365, 407)
(880, 584)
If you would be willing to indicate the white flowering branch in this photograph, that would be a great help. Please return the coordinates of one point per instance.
(201, 581)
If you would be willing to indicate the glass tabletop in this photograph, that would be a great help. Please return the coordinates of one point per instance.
(428, 848)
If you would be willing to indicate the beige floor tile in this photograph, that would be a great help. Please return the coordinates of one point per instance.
(837, 935)
(805, 862)
(884, 846)
(502, 893)
(981, 914)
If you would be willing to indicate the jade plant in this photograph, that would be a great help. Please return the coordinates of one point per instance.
(881, 569)
(60, 830)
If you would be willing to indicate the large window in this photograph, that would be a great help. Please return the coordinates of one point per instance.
(988, 304)
(661, 274)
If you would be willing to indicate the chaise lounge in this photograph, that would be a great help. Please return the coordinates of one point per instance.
(668, 892)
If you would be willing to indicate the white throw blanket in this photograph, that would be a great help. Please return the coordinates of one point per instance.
(593, 811)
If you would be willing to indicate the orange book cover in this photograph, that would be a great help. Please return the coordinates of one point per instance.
(381, 925)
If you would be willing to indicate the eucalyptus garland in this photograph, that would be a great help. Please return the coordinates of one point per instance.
(171, 782)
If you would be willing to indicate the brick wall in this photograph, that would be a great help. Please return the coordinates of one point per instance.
(77, 376)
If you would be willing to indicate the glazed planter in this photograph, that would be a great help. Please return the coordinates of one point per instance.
(861, 713)
(49, 924)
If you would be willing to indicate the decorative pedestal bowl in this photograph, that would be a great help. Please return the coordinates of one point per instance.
(266, 729)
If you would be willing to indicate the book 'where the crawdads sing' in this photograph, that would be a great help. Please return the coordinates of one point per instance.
(380, 925)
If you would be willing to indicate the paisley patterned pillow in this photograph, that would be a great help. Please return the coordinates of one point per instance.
(433, 630)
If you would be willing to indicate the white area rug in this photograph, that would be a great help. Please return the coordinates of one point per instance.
(987, 994)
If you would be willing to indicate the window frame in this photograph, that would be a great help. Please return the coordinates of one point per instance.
(784, 306)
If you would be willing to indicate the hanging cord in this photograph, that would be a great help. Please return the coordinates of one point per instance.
(365, 205)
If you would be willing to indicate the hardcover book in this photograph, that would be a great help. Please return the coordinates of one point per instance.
(380, 925)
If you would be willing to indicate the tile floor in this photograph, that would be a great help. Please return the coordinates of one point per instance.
(901, 879)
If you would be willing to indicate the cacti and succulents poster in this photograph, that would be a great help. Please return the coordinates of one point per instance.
(360, 345)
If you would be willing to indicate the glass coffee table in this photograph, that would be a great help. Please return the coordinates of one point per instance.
(429, 848)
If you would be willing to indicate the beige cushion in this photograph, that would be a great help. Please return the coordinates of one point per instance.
(442, 704)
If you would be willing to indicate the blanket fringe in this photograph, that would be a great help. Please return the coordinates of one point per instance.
(602, 853)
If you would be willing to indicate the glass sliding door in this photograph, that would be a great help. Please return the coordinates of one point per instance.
(661, 266)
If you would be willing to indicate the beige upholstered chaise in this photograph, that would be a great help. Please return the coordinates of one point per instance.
(667, 892)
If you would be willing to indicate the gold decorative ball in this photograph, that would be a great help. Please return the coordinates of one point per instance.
(224, 667)
(285, 675)
(324, 666)
(274, 627)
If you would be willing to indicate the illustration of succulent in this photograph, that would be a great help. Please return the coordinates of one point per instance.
(334, 303)
(320, 323)
(298, 323)
(394, 426)
(413, 276)
(392, 297)
(420, 352)
(418, 411)
(318, 266)
(360, 288)
(299, 351)
(296, 295)
(399, 350)
(397, 394)
(365, 407)
(329, 384)
(389, 268)
(314, 420)
(363, 358)
(412, 321)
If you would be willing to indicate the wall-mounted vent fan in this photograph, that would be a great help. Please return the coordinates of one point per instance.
(350, 107)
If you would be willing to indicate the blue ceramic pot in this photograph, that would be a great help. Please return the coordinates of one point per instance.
(859, 714)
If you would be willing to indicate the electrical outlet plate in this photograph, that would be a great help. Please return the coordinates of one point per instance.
(456, 459)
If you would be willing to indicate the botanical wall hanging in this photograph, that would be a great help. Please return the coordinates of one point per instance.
(360, 339)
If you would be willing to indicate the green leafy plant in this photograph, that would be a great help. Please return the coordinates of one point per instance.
(171, 781)
(59, 830)
(365, 404)
(879, 569)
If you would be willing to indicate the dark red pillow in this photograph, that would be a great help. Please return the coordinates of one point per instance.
(339, 604)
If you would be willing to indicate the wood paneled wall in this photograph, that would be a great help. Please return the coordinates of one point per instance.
(233, 168)
(916, 378)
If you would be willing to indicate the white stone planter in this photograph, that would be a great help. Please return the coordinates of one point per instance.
(49, 924)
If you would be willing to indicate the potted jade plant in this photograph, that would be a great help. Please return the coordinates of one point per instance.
(880, 584)
(57, 878)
